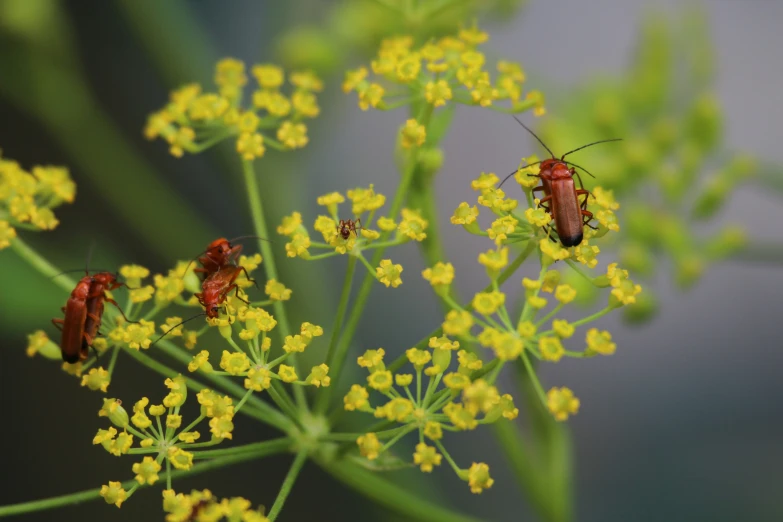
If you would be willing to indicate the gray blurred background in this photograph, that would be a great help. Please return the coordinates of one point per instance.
(682, 423)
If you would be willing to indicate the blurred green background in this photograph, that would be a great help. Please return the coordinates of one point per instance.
(682, 423)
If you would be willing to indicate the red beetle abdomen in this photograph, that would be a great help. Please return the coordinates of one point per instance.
(566, 212)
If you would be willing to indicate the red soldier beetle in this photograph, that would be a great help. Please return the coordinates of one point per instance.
(83, 314)
(219, 253)
(561, 197)
(216, 288)
(346, 226)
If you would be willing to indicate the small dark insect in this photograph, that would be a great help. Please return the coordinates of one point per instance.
(561, 197)
(346, 226)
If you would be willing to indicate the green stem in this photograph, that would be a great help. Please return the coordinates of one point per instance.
(322, 403)
(94, 494)
(288, 483)
(41, 264)
(268, 447)
(259, 223)
(389, 494)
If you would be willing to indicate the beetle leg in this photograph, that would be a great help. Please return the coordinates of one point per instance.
(587, 216)
(112, 301)
(247, 276)
(58, 323)
(236, 293)
(583, 192)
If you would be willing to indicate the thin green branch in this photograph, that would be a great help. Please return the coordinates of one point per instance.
(288, 483)
(270, 269)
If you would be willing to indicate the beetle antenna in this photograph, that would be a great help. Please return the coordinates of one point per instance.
(590, 145)
(177, 326)
(89, 257)
(528, 165)
(577, 166)
(75, 270)
(534, 135)
(250, 237)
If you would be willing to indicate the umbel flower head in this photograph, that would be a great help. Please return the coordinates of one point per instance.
(28, 198)
(195, 119)
(450, 69)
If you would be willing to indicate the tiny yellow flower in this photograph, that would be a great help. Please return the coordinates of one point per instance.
(356, 398)
(487, 303)
(306, 104)
(370, 96)
(372, 359)
(600, 341)
(426, 457)
(354, 78)
(494, 260)
(181, 140)
(268, 76)
(553, 251)
(200, 361)
(484, 93)
(277, 291)
(403, 379)
(418, 358)
(369, 445)
(433, 430)
(460, 417)
(140, 419)
(536, 302)
(386, 224)
(565, 293)
(365, 200)
(501, 228)
(292, 135)
(603, 198)
(408, 68)
(318, 376)
(380, 380)
(97, 379)
(563, 328)
(290, 224)
(551, 348)
(507, 347)
(468, 362)
(156, 410)
(562, 403)
(464, 214)
(142, 294)
(333, 198)
(295, 343)
(189, 437)
(389, 274)
(458, 323)
(443, 343)
(478, 478)
(306, 80)
(173, 421)
(538, 217)
(113, 493)
(456, 381)
(586, 254)
(222, 427)
(480, 396)
(437, 93)
(180, 458)
(235, 363)
(298, 246)
(258, 379)
(413, 134)
(397, 409)
(413, 225)
(139, 335)
(287, 373)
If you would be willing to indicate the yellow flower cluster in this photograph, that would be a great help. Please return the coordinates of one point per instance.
(27, 199)
(194, 120)
(450, 68)
(253, 362)
(166, 438)
(354, 235)
(203, 505)
(441, 399)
